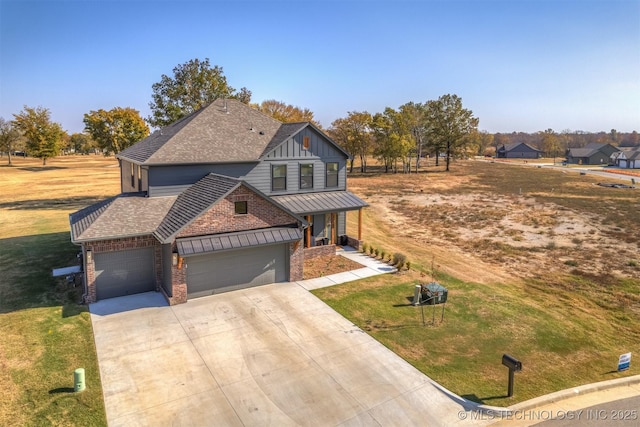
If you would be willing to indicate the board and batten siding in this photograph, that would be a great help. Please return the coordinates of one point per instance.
(292, 153)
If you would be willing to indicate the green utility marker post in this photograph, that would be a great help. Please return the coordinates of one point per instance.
(78, 380)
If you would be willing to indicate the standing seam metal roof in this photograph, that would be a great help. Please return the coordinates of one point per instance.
(328, 201)
(237, 240)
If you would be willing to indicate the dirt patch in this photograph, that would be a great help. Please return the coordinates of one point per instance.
(479, 233)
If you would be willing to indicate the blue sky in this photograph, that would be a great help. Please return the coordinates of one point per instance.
(519, 65)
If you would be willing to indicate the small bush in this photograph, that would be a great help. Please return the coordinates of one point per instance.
(388, 257)
(365, 248)
(632, 263)
(408, 265)
(399, 259)
(571, 262)
(382, 254)
(377, 252)
(371, 250)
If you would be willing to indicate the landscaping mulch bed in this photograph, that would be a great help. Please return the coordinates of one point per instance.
(323, 266)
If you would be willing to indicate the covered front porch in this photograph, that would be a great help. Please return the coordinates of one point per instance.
(326, 215)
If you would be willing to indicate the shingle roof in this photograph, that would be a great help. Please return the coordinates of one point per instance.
(193, 202)
(582, 152)
(125, 215)
(510, 147)
(224, 131)
(237, 240)
(315, 203)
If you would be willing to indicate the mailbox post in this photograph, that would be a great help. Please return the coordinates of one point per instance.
(514, 365)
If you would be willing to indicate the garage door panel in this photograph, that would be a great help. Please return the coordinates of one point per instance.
(226, 271)
(124, 273)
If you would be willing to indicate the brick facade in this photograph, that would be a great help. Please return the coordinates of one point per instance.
(221, 218)
(178, 284)
(296, 263)
(318, 251)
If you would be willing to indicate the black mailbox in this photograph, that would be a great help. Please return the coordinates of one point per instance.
(511, 362)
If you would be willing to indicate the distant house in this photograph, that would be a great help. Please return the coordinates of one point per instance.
(592, 154)
(518, 150)
(223, 199)
(628, 159)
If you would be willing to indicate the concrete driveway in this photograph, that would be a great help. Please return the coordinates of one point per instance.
(272, 355)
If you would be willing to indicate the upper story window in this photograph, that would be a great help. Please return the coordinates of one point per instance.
(306, 176)
(332, 174)
(241, 207)
(306, 142)
(278, 177)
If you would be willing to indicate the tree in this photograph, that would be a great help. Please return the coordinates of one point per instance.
(81, 143)
(9, 137)
(116, 129)
(448, 124)
(286, 113)
(353, 133)
(43, 137)
(413, 117)
(194, 85)
(392, 139)
(550, 144)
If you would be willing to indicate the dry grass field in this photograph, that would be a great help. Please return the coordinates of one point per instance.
(541, 263)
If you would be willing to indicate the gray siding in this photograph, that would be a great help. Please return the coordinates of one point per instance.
(260, 176)
(125, 177)
(342, 223)
(171, 180)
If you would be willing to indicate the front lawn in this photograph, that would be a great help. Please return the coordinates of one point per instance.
(564, 339)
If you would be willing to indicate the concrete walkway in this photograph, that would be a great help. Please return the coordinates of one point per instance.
(371, 267)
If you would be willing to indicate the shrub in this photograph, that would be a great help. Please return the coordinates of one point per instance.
(571, 263)
(371, 249)
(365, 248)
(388, 257)
(377, 252)
(399, 259)
(382, 254)
(632, 263)
(408, 265)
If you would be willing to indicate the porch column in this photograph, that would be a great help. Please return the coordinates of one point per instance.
(308, 232)
(334, 232)
(360, 224)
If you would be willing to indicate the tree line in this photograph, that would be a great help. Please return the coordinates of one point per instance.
(399, 138)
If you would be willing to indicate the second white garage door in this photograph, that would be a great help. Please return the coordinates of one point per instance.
(226, 271)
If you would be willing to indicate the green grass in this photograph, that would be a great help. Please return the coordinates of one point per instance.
(46, 335)
(562, 337)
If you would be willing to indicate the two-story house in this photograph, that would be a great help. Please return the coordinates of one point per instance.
(223, 199)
